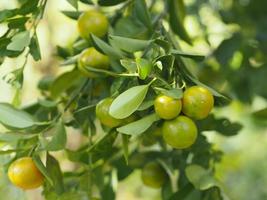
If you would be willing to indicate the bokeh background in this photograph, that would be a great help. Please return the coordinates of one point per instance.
(233, 35)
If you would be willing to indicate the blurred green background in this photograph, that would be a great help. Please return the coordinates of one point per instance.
(233, 35)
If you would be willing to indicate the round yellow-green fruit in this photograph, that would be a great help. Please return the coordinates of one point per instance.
(92, 58)
(153, 175)
(102, 113)
(167, 107)
(92, 22)
(197, 102)
(180, 132)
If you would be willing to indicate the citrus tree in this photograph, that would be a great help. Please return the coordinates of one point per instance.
(131, 93)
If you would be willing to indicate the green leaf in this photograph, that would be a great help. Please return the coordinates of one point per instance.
(145, 105)
(9, 151)
(144, 67)
(18, 22)
(128, 64)
(175, 93)
(201, 178)
(72, 14)
(42, 168)
(74, 3)
(35, 48)
(128, 102)
(103, 147)
(74, 195)
(14, 137)
(47, 103)
(59, 138)
(109, 2)
(130, 27)
(5, 14)
(139, 126)
(221, 125)
(196, 57)
(125, 145)
(53, 168)
(12, 117)
(140, 11)
(129, 44)
(106, 49)
(64, 82)
(19, 41)
(261, 114)
(176, 23)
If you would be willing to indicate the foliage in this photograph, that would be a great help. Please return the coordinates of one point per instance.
(146, 59)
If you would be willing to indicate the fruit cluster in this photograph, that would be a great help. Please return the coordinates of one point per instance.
(178, 129)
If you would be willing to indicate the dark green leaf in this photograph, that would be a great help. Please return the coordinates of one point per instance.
(125, 144)
(35, 48)
(5, 14)
(139, 126)
(54, 171)
(176, 22)
(103, 147)
(74, 3)
(141, 12)
(42, 169)
(17, 22)
(72, 14)
(196, 57)
(128, 102)
(261, 114)
(131, 28)
(221, 125)
(106, 49)
(109, 2)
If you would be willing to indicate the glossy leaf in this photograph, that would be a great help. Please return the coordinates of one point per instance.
(201, 178)
(175, 93)
(19, 41)
(139, 126)
(128, 102)
(105, 48)
(128, 64)
(129, 44)
(14, 118)
(144, 67)
(64, 82)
